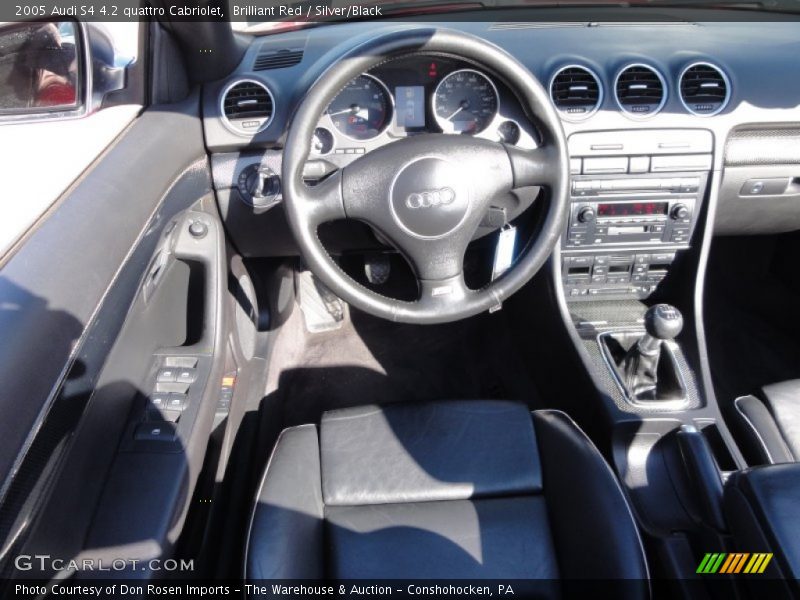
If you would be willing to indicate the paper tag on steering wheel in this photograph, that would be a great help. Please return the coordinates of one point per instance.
(503, 255)
(504, 251)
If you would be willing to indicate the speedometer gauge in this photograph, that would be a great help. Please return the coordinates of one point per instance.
(363, 109)
(465, 102)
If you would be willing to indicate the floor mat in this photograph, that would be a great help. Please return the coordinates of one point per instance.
(370, 360)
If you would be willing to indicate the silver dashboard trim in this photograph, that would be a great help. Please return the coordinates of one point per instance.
(725, 78)
(230, 126)
(664, 86)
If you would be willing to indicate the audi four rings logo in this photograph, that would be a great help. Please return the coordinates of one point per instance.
(428, 199)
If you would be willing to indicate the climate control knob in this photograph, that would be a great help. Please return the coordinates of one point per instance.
(586, 214)
(679, 211)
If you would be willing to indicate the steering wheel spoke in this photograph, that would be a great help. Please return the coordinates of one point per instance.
(441, 294)
(538, 167)
(324, 202)
(433, 260)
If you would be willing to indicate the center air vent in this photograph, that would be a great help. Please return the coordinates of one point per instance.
(704, 89)
(576, 92)
(641, 90)
(278, 59)
(248, 106)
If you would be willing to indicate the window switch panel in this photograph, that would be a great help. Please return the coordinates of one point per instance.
(181, 362)
(157, 431)
(158, 401)
(166, 375)
(162, 414)
(172, 387)
(176, 402)
(186, 376)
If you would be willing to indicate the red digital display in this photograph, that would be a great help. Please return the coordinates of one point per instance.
(632, 209)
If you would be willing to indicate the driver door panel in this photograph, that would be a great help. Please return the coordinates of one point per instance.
(109, 290)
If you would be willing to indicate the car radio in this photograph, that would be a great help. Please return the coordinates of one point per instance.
(647, 211)
(624, 232)
(635, 201)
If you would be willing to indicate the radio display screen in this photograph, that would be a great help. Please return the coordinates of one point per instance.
(632, 209)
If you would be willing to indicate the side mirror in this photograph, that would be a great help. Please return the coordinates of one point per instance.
(55, 69)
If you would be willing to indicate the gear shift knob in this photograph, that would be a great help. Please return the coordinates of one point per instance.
(663, 321)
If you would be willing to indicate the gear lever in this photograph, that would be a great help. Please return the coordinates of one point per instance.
(662, 322)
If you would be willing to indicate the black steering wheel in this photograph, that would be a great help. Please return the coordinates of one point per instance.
(428, 193)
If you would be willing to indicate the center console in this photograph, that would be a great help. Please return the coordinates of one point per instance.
(635, 201)
(629, 282)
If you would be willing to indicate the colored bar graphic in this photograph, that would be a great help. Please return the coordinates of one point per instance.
(734, 563)
(710, 563)
(765, 563)
(754, 562)
(731, 560)
(741, 562)
(703, 563)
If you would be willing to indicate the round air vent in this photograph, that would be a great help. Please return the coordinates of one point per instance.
(576, 91)
(705, 89)
(247, 106)
(640, 90)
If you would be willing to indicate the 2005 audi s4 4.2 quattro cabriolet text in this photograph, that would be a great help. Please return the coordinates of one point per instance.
(333, 298)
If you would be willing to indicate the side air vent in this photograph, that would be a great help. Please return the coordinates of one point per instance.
(641, 90)
(576, 92)
(248, 106)
(705, 89)
(278, 59)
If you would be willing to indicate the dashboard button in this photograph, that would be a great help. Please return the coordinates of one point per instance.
(186, 376)
(160, 431)
(581, 261)
(186, 362)
(689, 162)
(617, 164)
(166, 375)
(639, 164)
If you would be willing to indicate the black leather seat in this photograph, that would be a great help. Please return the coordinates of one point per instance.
(762, 506)
(771, 423)
(456, 490)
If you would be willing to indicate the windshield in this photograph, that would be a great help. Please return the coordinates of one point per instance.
(274, 15)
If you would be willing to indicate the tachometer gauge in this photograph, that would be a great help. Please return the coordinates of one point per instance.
(363, 109)
(465, 102)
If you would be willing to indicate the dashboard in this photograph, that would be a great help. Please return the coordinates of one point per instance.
(754, 70)
(661, 115)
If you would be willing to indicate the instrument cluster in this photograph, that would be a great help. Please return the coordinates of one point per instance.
(420, 94)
